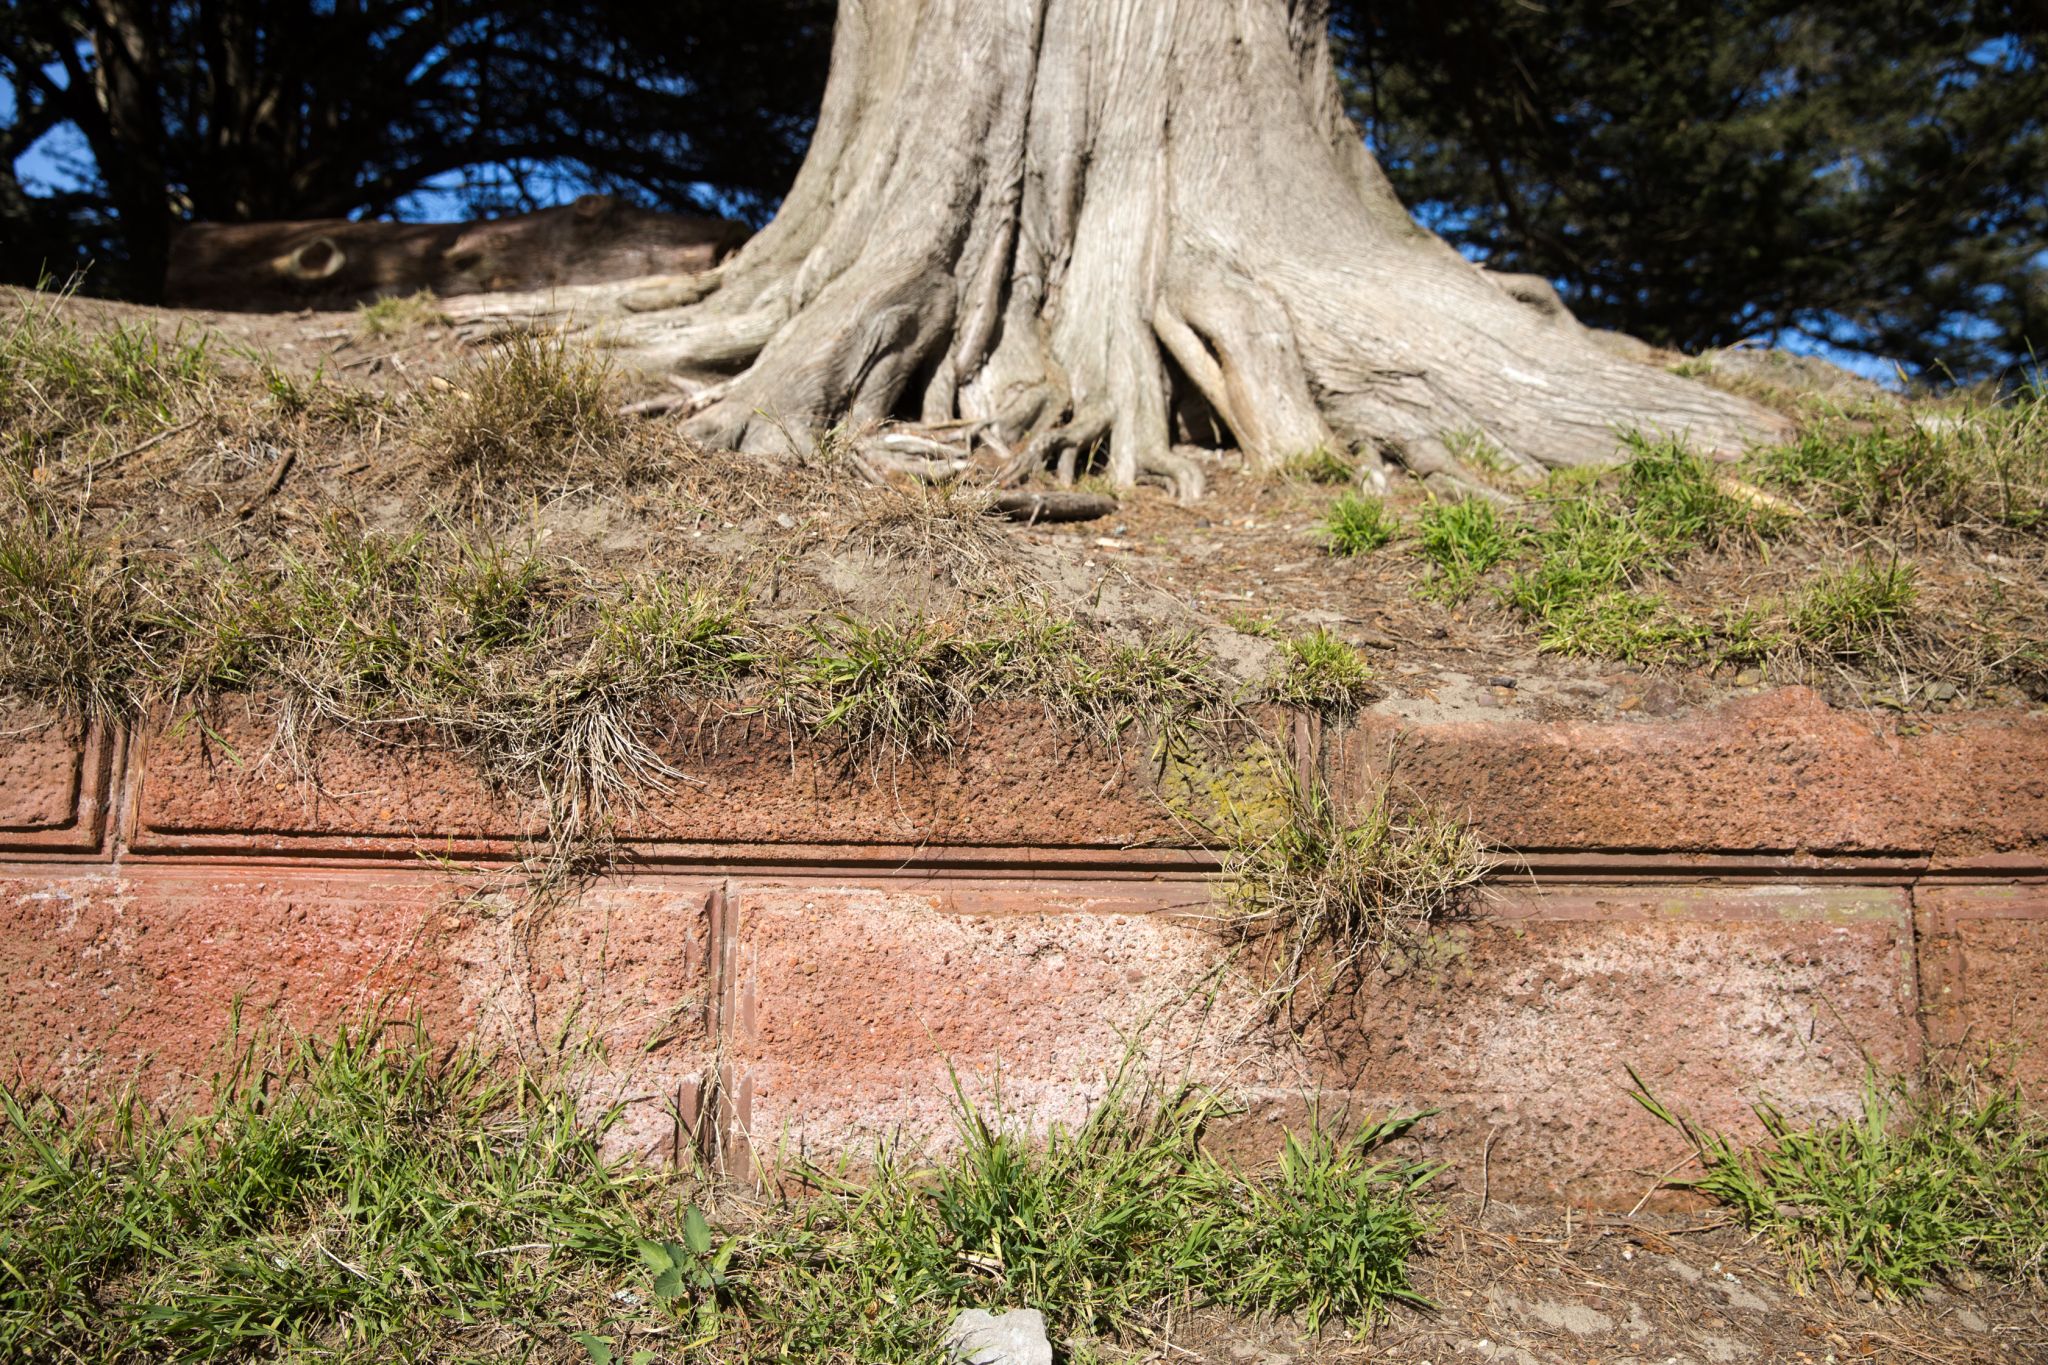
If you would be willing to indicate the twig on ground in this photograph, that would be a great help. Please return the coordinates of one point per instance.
(1486, 1174)
(143, 445)
(1658, 1184)
(276, 480)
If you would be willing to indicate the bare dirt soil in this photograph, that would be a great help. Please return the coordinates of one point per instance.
(1544, 1287)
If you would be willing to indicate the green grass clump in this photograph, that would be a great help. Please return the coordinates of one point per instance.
(1592, 560)
(1326, 1236)
(1588, 576)
(1746, 635)
(1463, 540)
(1580, 591)
(887, 685)
(1856, 611)
(72, 632)
(664, 628)
(1330, 889)
(1981, 463)
(1319, 672)
(1590, 546)
(1922, 1186)
(1106, 1227)
(1864, 476)
(1320, 465)
(371, 1196)
(381, 625)
(1357, 525)
(59, 383)
(1108, 689)
(357, 1199)
(1674, 497)
(1638, 627)
(398, 314)
(533, 403)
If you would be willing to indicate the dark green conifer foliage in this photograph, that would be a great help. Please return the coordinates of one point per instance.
(1871, 174)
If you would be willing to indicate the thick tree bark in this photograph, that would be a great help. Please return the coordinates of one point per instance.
(1083, 227)
(126, 131)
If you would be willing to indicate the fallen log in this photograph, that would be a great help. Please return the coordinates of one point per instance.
(335, 263)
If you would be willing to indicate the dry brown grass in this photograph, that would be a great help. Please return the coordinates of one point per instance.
(69, 395)
(401, 315)
(1326, 892)
(533, 404)
(947, 528)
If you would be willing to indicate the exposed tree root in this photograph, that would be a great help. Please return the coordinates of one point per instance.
(1078, 231)
(1037, 505)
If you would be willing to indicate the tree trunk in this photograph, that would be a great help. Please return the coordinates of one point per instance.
(1084, 227)
(128, 86)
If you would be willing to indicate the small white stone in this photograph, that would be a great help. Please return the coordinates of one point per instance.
(1013, 1338)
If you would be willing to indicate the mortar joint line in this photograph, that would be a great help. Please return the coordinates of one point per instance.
(116, 796)
(717, 1116)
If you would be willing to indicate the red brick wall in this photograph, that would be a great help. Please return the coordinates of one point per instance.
(799, 956)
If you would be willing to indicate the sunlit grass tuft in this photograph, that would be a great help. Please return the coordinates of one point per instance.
(533, 403)
(62, 385)
(1975, 462)
(1320, 672)
(1107, 1226)
(1922, 1186)
(1857, 611)
(373, 1196)
(1357, 525)
(1329, 888)
(356, 1195)
(1463, 540)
